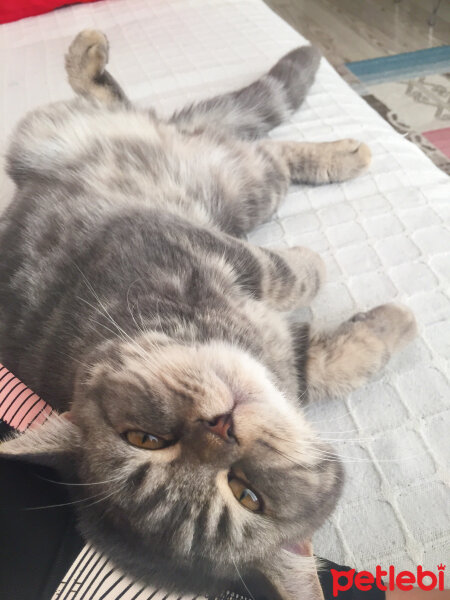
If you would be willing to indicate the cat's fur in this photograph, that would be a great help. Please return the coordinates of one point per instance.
(127, 297)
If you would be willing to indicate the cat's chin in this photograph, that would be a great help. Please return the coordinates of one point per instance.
(299, 548)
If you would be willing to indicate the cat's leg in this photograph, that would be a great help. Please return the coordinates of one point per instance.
(251, 185)
(266, 169)
(251, 112)
(324, 162)
(85, 66)
(342, 360)
(291, 278)
(284, 279)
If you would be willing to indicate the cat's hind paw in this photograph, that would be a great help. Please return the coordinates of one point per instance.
(86, 58)
(393, 324)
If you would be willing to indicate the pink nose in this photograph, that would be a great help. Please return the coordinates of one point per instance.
(222, 426)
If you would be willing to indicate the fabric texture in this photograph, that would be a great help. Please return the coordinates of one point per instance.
(384, 236)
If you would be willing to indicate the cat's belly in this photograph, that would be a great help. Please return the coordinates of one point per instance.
(115, 183)
(128, 157)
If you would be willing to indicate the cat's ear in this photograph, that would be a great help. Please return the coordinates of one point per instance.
(294, 576)
(53, 444)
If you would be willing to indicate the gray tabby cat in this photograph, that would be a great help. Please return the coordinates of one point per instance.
(128, 299)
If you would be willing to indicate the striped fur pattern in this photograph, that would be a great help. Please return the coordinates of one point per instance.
(129, 298)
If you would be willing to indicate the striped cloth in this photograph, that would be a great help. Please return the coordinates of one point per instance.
(93, 577)
(19, 406)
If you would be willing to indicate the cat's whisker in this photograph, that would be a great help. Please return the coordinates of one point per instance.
(240, 577)
(92, 320)
(321, 431)
(129, 307)
(141, 350)
(122, 337)
(303, 394)
(330, 456)
(290, 459)
(80, 484)
(64, 503)
(61, 353)
(346, 440)
(313, 422)
(306, 410)
(354, 459)
(101, 497)
(113, 493)
(322, 439)
(140, 316)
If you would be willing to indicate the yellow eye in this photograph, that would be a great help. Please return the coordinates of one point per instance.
(245, 495)
(147, 441)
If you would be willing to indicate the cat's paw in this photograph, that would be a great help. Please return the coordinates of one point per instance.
(393, 324)
(346, 159)
(87, 55)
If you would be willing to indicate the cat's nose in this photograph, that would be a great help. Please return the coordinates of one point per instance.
(222, 426)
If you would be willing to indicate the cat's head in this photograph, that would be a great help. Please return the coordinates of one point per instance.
(197, 466)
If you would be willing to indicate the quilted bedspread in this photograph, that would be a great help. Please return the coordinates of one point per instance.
(384, 237)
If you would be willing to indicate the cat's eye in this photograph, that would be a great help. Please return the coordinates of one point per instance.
(147, 441)
(244, 495)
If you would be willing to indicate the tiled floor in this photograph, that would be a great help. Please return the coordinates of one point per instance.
(390, 54)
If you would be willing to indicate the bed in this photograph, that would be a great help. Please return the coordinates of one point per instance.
(384, 237)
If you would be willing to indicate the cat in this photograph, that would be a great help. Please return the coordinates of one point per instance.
(130, 302)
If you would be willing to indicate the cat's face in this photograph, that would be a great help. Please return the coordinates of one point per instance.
(174, 493)
(208, 464)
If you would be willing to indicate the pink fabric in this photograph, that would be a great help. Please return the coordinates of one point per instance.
(20, 407)
(13, 10)
(440, 138)
(9, 403)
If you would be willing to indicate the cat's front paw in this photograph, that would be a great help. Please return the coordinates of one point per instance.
(347, 159)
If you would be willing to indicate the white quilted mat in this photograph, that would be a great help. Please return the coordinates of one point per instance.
(384, 237)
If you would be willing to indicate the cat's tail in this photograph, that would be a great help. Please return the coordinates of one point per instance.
(256, 109)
